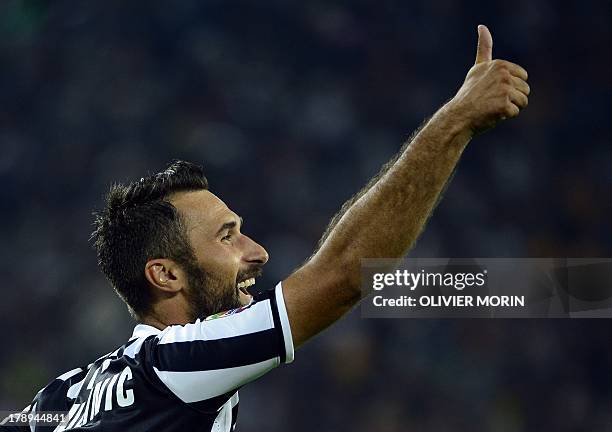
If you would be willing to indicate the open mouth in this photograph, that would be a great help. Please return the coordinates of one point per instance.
(245, 284)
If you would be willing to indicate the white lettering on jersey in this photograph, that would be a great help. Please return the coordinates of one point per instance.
(128, 398)
(109, 394)
(81, 414)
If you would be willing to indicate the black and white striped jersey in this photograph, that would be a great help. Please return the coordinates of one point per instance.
(182, 378)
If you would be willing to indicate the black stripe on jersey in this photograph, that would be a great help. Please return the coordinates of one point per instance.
(277, 324)
(201, 355)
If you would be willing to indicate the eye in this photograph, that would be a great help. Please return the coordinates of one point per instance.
(227, 237)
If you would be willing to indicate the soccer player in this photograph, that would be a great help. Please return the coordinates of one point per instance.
(177, 256)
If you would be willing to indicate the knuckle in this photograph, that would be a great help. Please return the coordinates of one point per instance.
(502, 107)
(505, 88)
(505, 77)
(499, 64)
(505, 105)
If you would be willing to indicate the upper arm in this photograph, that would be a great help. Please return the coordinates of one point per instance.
(207, 359)
(317, 295)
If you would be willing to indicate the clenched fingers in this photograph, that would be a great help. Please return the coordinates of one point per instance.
(513, 68)
(521, 85)
(518, 98)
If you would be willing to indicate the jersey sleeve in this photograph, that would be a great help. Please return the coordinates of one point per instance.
(210, 358)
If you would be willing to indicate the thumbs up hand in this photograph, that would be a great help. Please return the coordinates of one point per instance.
(484, 50)
(493, 90)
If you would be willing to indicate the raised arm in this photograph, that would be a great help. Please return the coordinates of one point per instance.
(386, 217)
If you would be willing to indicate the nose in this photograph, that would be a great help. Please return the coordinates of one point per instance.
(254, 253)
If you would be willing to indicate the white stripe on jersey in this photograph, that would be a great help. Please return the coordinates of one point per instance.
(223, 422)
(134, 348)
(69, 374)
(74, 389)
(32, 422)
(200, 385)
(258, 319)
(284, 319)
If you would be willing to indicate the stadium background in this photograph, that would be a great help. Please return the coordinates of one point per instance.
(291, 107)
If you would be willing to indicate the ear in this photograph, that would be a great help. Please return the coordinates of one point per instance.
(165, 274)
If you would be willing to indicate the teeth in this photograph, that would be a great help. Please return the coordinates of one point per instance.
(247, 283)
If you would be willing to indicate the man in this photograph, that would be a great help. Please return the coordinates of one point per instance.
(176, 255)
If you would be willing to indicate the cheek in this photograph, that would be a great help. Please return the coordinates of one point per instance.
(220, 262)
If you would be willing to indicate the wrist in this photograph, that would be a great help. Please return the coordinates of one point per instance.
(453, 120)
(457, 116)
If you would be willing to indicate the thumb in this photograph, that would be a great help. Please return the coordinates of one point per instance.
(484, 52)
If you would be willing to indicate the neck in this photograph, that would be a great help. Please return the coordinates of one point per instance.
(161, 321)
(154, 322)
(167, 313)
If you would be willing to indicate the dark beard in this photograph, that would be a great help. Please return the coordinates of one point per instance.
(208, 294)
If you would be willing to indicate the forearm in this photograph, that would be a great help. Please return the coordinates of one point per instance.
(386, 217)
(389, 215)
(349, 203)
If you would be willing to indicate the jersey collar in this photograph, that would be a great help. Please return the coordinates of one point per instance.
(144, 330)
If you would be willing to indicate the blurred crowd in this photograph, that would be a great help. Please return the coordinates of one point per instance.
(291, 107)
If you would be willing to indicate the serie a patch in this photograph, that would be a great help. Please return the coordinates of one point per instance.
(226, 313)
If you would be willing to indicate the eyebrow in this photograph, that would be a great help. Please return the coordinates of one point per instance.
(229, 225)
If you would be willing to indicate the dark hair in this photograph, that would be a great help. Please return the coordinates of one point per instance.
(139, 224)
